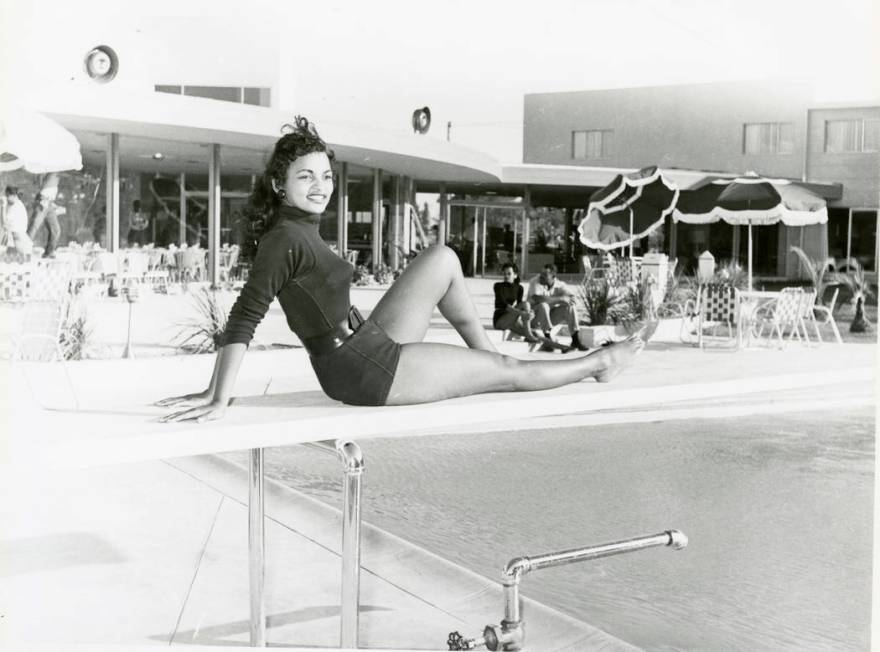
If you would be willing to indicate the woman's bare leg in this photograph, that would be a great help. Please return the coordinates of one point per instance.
(433, 279)
(432, 372)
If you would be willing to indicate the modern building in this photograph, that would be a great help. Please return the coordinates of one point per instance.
(186, 121)
(773, 128)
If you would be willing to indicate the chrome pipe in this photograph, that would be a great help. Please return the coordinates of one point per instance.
(510, 635)
(352, 459)
(257, 547)
(523, 565)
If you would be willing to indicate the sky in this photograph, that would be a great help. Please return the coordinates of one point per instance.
(472, 61)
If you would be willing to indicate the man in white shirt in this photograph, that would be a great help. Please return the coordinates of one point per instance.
(554, 303)
(15, 222)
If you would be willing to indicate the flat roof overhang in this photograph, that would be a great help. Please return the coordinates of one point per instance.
(251, 131)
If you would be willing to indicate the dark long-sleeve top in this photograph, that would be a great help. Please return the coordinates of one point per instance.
(506, 294)
(294, 264)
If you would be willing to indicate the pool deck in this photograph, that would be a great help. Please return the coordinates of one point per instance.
(155, 552)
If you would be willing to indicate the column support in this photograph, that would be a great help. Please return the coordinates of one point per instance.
(527, 201)
(377, 218)
(342, 211)
(214, 216)
(442, 226)
(111, 215)
(182, 212)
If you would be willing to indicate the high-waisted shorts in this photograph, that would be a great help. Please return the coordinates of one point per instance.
(359, 372)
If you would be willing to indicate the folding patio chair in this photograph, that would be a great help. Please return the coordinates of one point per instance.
(785, 314)
(826, 315)
(45, 313)
(717, 305)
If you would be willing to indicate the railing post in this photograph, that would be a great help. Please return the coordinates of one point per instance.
(353, 466)
(257, 547)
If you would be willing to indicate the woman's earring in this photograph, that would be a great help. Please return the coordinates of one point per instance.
(282, 194)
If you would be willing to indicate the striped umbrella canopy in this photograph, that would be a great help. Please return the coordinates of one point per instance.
(750, 200)
(30, 140)
(627, 209)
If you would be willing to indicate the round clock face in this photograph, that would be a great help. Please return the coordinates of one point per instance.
(101, 63)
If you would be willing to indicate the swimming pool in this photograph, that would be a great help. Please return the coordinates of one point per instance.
(778, 511)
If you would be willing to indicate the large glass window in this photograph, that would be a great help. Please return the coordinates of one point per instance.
(237, 94)
(595, 143)
(768, 138)
(856, 135)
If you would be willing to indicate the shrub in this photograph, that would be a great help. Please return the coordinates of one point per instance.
(75, 336)
(203, 332)
(602, 303)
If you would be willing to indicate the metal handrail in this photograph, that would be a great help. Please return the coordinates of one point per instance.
(509, 634)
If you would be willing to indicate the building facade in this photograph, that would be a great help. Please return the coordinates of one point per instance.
(733, 127)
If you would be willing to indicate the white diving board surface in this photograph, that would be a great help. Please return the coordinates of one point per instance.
(95, 436)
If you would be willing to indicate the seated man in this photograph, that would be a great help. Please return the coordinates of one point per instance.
(553, 303)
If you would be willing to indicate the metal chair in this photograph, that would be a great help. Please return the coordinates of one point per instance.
(190, 264)
(718, 304)
(826, 315)
(44, 317)
(228, 261)
(785, 314)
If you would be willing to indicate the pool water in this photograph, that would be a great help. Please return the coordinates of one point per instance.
(778, 511)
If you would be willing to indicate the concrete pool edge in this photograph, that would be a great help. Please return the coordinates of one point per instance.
(469, 599)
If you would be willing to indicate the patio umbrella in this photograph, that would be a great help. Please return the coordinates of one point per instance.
(31, 140)
(750, 200)
(627, 209)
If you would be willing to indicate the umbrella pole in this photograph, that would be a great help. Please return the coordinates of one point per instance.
(631, 239)
(750, 255)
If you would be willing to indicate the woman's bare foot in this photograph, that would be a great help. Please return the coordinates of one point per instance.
(615, 357)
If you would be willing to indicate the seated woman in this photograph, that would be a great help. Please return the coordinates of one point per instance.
(384, 360)
(511, 312)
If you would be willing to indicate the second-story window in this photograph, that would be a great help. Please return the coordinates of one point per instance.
(768, 138)
(595, 143)
(856, 135)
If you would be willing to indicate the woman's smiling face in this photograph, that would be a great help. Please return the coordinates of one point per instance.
(309, 182)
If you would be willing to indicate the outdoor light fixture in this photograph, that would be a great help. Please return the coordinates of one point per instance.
(421, 120)
(101, 63)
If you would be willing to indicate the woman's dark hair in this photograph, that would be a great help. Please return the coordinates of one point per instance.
(514, 268)
(261, 214)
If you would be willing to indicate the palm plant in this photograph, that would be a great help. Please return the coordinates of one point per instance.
(602, 303)
(857, 283)
(203, 332)
(817, 270)
(75, 336)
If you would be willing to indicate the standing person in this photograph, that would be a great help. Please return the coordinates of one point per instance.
(511, 312)
(46, 212)
(15, 223)
(553, 302)
(99, 228)
(137, 225)
(383, 360)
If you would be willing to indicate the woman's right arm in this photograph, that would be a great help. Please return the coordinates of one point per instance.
(210, 404)
(272, 268)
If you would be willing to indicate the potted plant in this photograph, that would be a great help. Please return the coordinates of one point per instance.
(818, 272)
(611, 312)
(857, 283)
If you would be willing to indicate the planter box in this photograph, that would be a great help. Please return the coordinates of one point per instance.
(593, 336)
